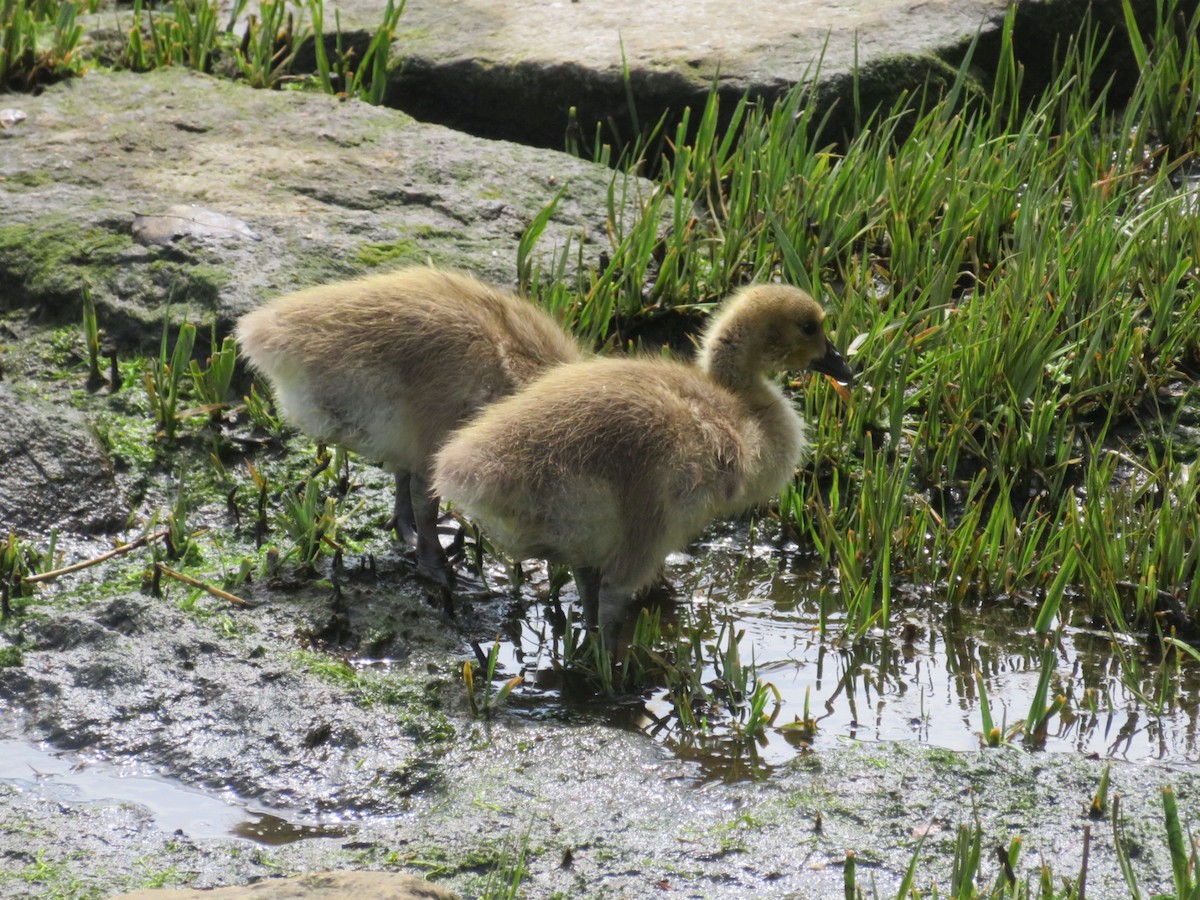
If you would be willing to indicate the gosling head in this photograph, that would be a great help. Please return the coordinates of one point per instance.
(770, 328)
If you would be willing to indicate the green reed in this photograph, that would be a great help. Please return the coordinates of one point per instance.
(212, 381)
(185, 34)
(26, 64)
(311, 517)
(367, 80)
(269, 46)
(18, 560)
(1019, 290)
(91, 337)
(1170, 61)
(163, 379)
(485, 703)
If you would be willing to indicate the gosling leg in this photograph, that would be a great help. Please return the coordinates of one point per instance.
(614, 610)
(431, 558)
(587, 582)
(403, 520)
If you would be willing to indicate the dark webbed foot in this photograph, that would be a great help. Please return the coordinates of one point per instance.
(432, 562)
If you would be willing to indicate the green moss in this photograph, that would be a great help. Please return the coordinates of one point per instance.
(373, 255)
(52, 878)
(189, 283)
(163, 878)
(45, 265)
(10, 657)
(413, 702)
(411, 35)
(306, 268)
(129, 441)
(30, 179)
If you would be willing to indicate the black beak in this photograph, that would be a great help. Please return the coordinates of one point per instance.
(833, 365)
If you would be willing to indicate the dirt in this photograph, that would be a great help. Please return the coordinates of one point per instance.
(330, 716)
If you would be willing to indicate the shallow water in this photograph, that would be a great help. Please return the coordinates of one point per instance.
(72, 779)
(913, 682)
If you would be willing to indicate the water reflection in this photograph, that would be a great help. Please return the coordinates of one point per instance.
(72, 779)
(915, 681)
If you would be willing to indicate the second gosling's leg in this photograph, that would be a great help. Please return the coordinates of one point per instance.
(614, 609)
(431, 558)
(587, 582)
(403, 519)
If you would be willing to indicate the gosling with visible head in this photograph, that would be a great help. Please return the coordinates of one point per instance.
(387, 366)
(609, 465)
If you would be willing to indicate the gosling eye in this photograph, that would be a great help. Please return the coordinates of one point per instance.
(809, 327)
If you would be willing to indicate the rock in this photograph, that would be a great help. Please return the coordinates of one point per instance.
(513, 70)
(315, 886)
(190, 221)
(464, 62)
(54, 474)
(332, 187)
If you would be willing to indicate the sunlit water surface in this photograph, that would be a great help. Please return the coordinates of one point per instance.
(75, 779)
(915, 681)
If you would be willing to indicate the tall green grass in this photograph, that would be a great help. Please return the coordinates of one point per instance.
(27, 59)
(1018, 286)
(187, 33)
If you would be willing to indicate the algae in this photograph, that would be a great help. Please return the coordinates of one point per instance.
(44, 267)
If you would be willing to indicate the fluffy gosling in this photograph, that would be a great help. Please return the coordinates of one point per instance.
(389, 365)
(609, 465)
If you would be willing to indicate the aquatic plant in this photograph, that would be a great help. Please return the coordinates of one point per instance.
(22, 65)
(310, 520)
(1043, 706)
(18, 560)
(91, 337)
(1170, 59)
(163, 379)
(484, 704)
(212, 381)
(261, 411)
(270, 43)
(264, 50)
(367, 80)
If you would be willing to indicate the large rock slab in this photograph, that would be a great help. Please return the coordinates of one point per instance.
(263, 192)
(748, 44)
(515, 69)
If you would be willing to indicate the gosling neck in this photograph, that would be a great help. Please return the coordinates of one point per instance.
(732, 356)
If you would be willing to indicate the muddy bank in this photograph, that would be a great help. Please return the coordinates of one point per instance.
(380, 766)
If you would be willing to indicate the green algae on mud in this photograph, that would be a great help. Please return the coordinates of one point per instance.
(46, 268)
(42, 266)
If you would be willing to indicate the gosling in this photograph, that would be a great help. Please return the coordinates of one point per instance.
(388, 365)
(608, 465)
